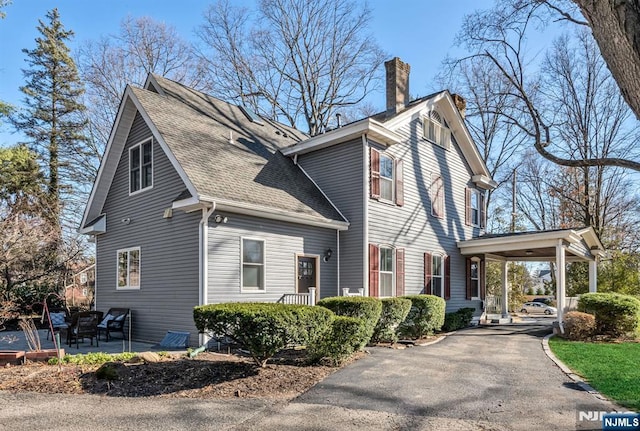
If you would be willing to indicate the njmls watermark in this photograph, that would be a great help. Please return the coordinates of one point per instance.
(608, 421)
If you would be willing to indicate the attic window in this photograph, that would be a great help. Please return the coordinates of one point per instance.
(252, 116)
(141, 166)
(436, 131)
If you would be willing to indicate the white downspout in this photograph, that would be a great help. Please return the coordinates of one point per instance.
(365, 216)
(203, 233)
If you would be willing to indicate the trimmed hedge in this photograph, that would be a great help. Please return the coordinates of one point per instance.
(458, 320)
(362, 307)
(579, 326)
(344, 337)
(425, 317)
(615, 314)
(263, 328)
(394, 311)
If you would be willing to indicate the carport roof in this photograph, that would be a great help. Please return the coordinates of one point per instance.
(580, 244)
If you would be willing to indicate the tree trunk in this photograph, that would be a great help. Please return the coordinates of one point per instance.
(616, 28)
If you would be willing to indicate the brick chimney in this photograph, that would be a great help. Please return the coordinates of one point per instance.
(461, 104)
(397, 84)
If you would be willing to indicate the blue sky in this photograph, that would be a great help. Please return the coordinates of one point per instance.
(420, 32)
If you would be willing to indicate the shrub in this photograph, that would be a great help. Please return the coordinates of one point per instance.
(425, 317)
(579, 326)
(93, 358)
(344, 337)
(458, 320)
(394, 311)
(263, 328)
(615, 314)
(362, 307)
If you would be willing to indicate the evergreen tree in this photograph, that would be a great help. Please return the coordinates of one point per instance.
(53, 116)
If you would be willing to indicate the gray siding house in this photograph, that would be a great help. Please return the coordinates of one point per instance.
(200, 201)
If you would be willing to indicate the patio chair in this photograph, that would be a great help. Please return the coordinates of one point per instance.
(58, 319)
(113, 322)
(84, 325)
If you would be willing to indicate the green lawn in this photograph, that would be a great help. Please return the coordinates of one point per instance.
(612, 369)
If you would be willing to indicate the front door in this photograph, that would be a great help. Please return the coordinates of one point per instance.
(307, 275)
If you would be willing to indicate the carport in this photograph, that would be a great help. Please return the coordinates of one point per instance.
(559, 246)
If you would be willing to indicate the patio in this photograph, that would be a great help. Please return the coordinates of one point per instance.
(15, 340)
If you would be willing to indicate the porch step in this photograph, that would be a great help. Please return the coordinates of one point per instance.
(495, 319)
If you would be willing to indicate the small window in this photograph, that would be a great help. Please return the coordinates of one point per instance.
(386, 178)
(475, 202)
(252, 264)
(83, 278)
(474, 279)
(437, 196)
(84, 292)
(129, 268)
(386, 272)
(435, 130)
(141, 166)
(437, 275)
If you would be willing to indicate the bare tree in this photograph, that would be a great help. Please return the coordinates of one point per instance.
(292, 60)
(500, 35)
(142, 46)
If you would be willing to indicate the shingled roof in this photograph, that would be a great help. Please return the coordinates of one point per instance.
(229, 157)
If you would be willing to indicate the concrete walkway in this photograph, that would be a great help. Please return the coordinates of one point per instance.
(495, 378)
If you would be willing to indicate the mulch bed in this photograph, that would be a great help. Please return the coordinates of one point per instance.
(208, 375)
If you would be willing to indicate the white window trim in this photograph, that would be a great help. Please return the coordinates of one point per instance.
(442, 197)
(426, 120)
(475, 192)
(139, 144)
(393, 180)
(264, 266)
(477, 261)
(128, 250)
(441, 276)
(393, 270)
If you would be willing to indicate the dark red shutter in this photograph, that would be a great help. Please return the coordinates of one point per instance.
(399, 183)
(374, 173)
(481, 275)
(468, 267)
(374, 273)
(447, 278)
(400, 272)
(427, 273)
(467, 205)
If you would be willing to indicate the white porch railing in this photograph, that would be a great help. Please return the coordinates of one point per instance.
(493, 304)
(299, 298)
(347, 292)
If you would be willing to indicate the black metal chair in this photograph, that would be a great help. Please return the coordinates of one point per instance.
(114, 322)
(84, 325)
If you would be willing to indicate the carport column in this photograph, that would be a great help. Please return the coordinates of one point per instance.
(593, 275)
(560, 278)
(505, 289)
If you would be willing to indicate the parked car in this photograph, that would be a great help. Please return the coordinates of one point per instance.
(537, 307)
(547, 301)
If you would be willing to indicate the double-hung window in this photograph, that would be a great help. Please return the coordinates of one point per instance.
(474, 207)
(128, 268)
(474, 279)
(386, 272)
(141, 166)
(253, 274)
(437, 275)
(386, 178)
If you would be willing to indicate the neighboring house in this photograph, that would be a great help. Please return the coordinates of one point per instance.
(80, 288)
(199, 201)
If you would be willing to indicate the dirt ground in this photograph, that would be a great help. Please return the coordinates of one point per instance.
(208, 375)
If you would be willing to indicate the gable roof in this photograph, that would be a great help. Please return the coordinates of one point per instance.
(382, 127)
(221, 155)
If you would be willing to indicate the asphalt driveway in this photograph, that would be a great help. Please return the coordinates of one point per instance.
(495, 378)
